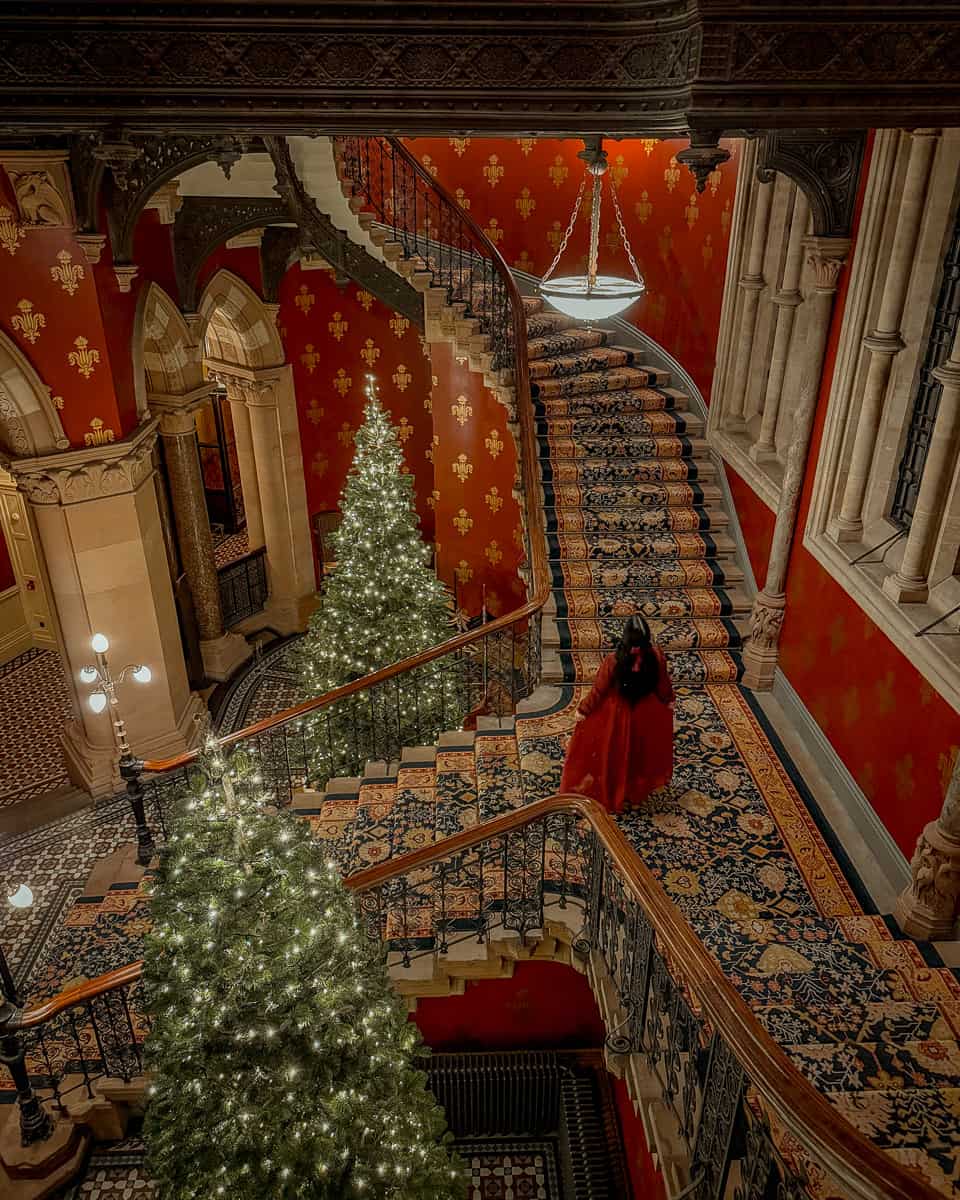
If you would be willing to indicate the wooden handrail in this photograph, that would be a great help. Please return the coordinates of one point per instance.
(540, 576)
(830, 1141)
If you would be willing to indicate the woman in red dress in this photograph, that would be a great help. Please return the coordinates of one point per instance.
(622, 747)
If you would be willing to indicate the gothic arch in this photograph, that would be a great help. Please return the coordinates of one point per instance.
(167, 359)
(29, 423)
(237, 326)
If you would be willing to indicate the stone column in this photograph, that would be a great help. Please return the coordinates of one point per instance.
(98, 533)
(826, 257)
(884, 343)
(275, 436)
(248, 467)
(910, 585)
(928, 908)
(752, 284)
(222, 652)
(786, 300)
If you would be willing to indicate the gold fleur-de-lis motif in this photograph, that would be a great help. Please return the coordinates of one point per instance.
(315, 411)
(28, 322)
(12, 232)
(429, 452)
(67, 273)
(462, 409)
(463, 522)
(364, 299)
(309, 358)
(305, 299)
(671, 176)
(619, 171)
(459, 145)
(494, 443)
(715, 178)
(493, 231)
(725, 218)
(643, 208)
(555, 235)
(462, 198)
(463, 571)
(493, 553)
(558, 171)
(83, 358)
(665, 241)
(429, 165)
(612, 240)
(691, 212)
(319, 464)
(433, 498)
(525, 204)
(404, 430)
(526, 145)
(462, 468)
(337, 326)
(524, 262)
(401, 377)
(648, 145)
(99, 434)
(399, 325)
(428, 402)
(707, 250)
(342, 382)
(346, 434)
(370, 353)
(57, 402)
(494, 499)
(493, 172)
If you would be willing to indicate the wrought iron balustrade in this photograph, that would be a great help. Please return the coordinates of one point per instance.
(244, 588)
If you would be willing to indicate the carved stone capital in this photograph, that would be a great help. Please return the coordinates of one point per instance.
(41, 184)
(175, 413)
(762, 650)
(92, 246)
(826, 256)
(77, 476)
(928, 908)
(126, 273)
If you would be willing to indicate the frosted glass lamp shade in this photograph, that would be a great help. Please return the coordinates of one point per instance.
(21, 898)
(88, 674)
(143, 674)
(99, 643)
(98, 701)
(573, 295)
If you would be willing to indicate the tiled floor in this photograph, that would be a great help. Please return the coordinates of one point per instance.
(34, 704)
(227, 548)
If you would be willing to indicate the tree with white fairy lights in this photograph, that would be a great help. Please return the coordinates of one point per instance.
(282, 1061)
(382, 603)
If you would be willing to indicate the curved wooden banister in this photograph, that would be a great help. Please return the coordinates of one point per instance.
(830, 1141)
(540, 576)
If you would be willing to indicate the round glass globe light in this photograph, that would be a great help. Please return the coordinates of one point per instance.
(98, 701)
(21, 898)
(88, 674)
(100, 643)
(573, 295)
(143, 674)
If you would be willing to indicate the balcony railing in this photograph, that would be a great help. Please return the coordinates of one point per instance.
(243, 587)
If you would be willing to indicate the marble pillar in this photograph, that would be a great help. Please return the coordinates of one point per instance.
(929, 907)
(885, 342)
(787, 300)
(751, 283)
(243, 439)
(910, 583)
(826, 257)
(222, 652)
(98, 532)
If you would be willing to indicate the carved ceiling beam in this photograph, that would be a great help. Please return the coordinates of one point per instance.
(825, 164)
(279, 249)
(206, 222)
(346, 257)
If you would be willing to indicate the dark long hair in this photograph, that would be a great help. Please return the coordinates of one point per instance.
(637, 669)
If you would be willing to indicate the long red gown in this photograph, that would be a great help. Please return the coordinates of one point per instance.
(621, 752)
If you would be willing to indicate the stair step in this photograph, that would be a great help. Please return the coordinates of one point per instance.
(657, 495)
(693, 667)
(372, 824)
(594, 471)
(634, 447)
(650, 602)
(849, 1066)
(592, 382)
(639, 398)
(564, 342)
(666, 572)
(598, 358)
(623, 494)
(665, 530)
(499, 787)
(657, 421)
(678, 633)
(890, 1021)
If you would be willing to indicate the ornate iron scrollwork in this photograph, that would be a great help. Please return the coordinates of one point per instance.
(825, 164)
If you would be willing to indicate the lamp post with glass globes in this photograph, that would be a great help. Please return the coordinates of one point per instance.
(131, 768)
(36, 1124)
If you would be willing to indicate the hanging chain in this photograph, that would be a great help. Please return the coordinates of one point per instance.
(566, 236)
(623, 233)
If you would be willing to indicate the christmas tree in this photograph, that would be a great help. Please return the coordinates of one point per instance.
(282, 1060)
(382, 603)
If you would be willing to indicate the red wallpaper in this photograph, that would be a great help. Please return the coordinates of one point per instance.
(521, 191)
(896, 735)
(241, 260)
(646, 1180)
(46, 315)
(7, 577)
(478, 530)
(334, 338)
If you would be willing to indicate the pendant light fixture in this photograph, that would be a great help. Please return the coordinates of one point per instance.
(593, 297)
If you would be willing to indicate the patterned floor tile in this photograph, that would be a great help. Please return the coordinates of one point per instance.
(35, 703)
